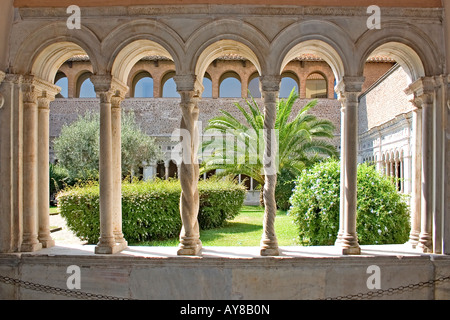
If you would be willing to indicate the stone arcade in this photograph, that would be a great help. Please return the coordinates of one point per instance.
(36, 42)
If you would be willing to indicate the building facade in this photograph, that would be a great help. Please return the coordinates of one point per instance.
(270, 37)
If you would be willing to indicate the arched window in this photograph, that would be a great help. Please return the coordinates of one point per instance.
(169, 88)
(253, 86)
(316, 86)
(207, 85)
(62, 81)
(85, 87)
(230, 85)
(289, 81)
(143, 85)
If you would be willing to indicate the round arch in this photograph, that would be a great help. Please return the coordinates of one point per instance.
(131, 53)
(415, 51)
(80, 79)
(220, 48)
(134, 40)
(319, 48)
(404, 55)
(225, 91)
(322, 38)
(135, 78)
(45, 50)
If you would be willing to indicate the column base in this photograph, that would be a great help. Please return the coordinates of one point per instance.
(351, 251)
(425, 244)
(47, 243)
(191, 249)
(110, 248)
(338, 239)
(269, 248)
(413, 240)
(348, 245)
(46, 240)
(30, 247)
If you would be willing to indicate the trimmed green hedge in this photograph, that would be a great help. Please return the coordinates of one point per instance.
(150, 210)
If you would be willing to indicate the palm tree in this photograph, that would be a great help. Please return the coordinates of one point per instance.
(302, 140)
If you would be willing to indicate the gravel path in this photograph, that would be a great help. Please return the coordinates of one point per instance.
(64, 236)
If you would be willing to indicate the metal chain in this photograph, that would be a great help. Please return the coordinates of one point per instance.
(93, 296)
(390, 291)
(57, 291)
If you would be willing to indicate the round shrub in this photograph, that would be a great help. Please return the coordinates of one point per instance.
(382, 212)
(150, 210)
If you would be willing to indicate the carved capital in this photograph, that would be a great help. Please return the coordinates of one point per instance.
(349, 88)
(270, 83)
(2, 99)
(107, 87)
(34, 88)
(189, 83)
(423, 91)
(13, 78)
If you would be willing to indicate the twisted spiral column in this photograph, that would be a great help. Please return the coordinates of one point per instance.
(270, 90)
(190, 243)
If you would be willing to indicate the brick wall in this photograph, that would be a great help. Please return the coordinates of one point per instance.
(384, 101)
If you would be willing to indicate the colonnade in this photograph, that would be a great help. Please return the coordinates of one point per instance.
(30, 98)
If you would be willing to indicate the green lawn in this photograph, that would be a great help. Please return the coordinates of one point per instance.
(53, 210)
(245, 230)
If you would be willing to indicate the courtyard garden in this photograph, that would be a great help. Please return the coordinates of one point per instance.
(307, 191)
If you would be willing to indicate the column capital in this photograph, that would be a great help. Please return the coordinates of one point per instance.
(349, 88)
(34, 88)
(423, 91)
(2, 99)
(270, 83)
(107, 86)
(189, 83)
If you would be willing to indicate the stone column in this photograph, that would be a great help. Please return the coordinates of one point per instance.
(116, 126)
(30, 241)
(270, 87)
(342, 207)
(416, 176)
(43, 165)
(349, 89)
(190, 244)
(423, 90)
(6, 164)
(166, 170)
(105, 89)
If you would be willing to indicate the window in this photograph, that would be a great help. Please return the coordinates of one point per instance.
(230, 86)
(207, 85)
(169, 89)
(289, 81)
(62, 81)
(253, 86)
(316, 86)
(85, 87)
(143, 86)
